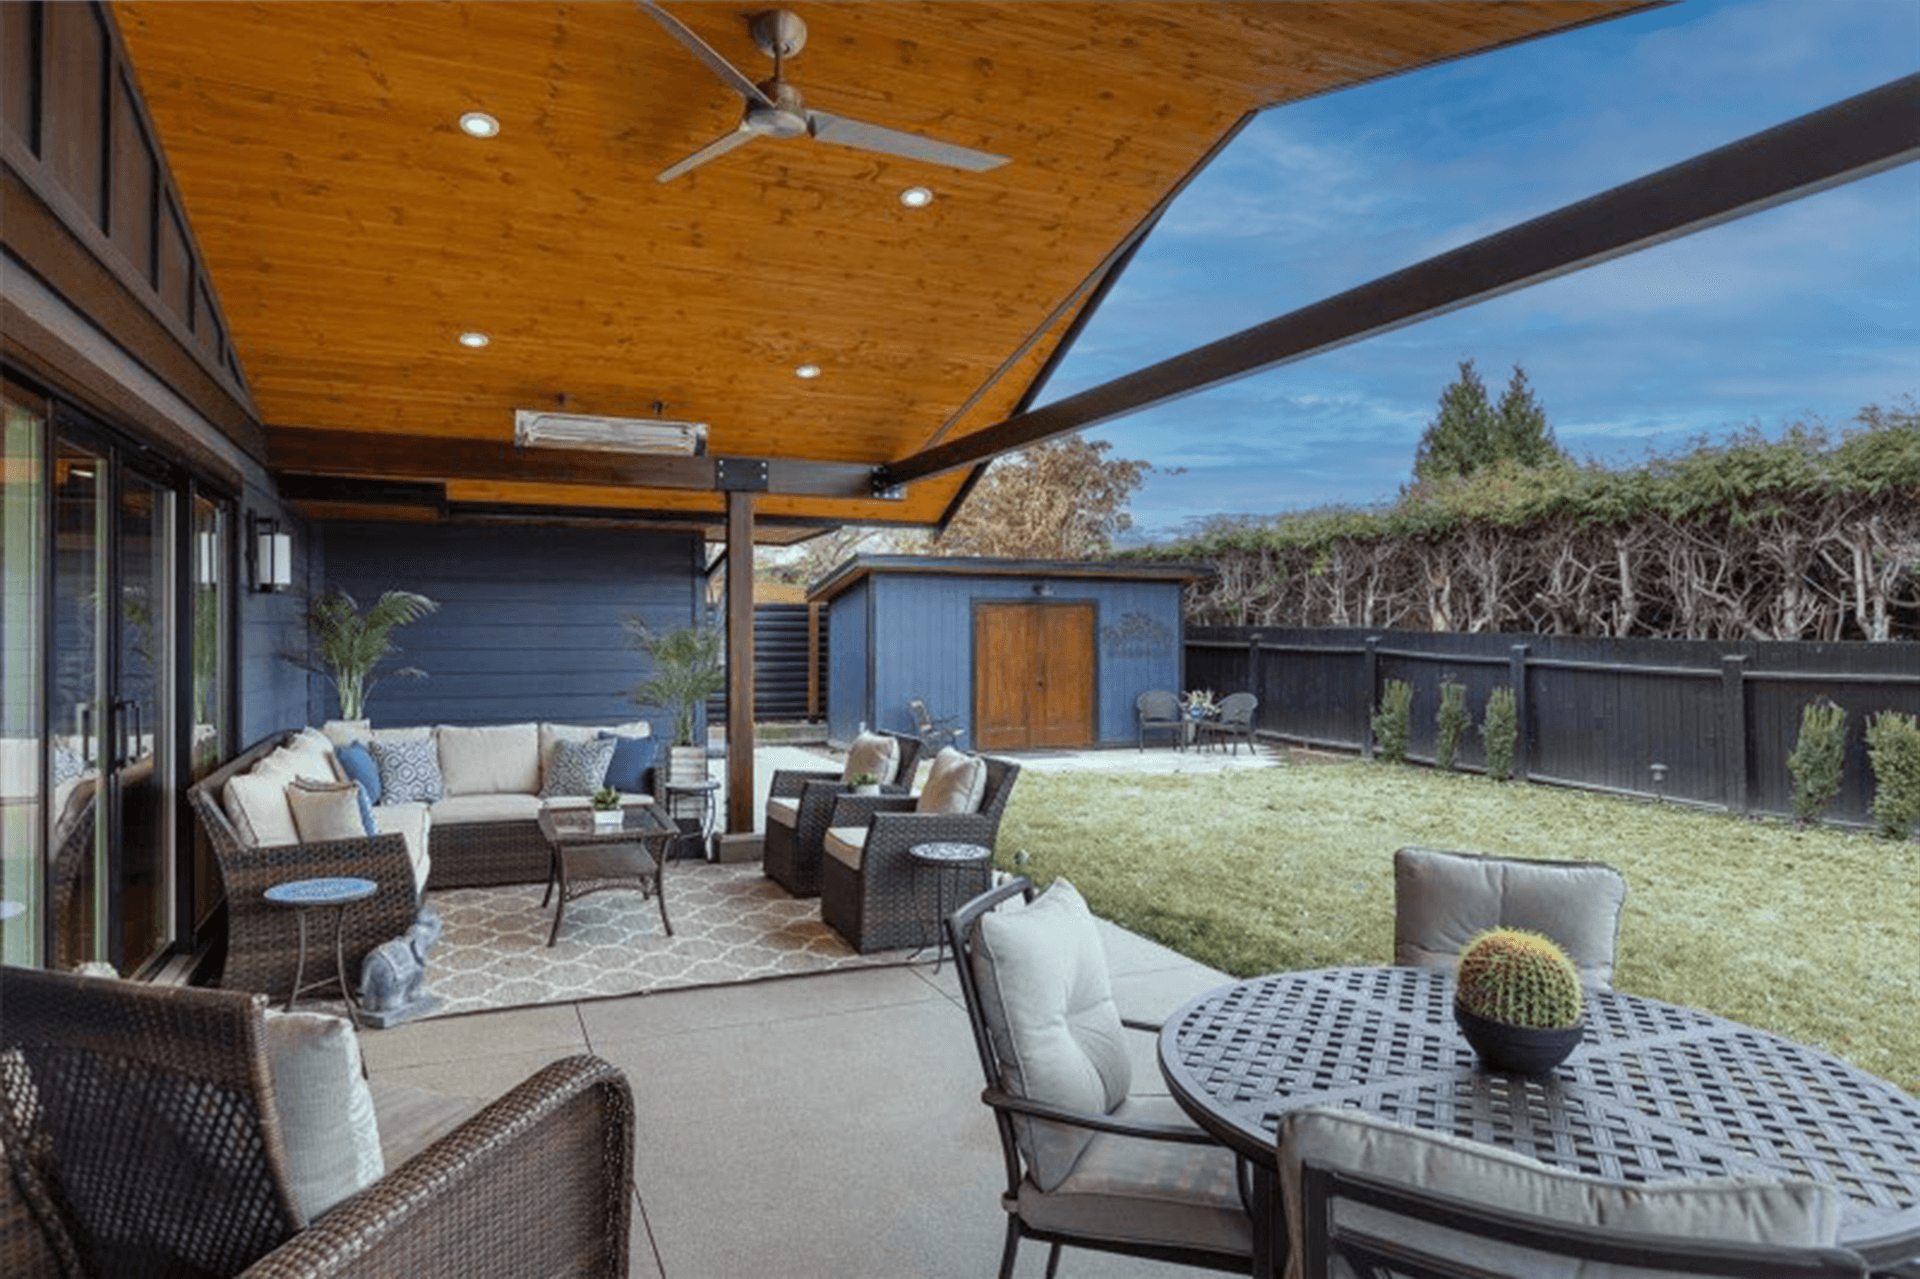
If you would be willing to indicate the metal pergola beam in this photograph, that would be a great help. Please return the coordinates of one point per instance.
(1861, 136)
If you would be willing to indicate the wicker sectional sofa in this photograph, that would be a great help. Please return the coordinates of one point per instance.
(483, 831)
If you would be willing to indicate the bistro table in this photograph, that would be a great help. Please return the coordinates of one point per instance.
(1653, 1092)
(589, 857)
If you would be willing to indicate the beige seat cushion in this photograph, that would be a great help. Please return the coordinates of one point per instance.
(327, 1121)
(411, 821)
(459, 810)
(845, 844)
(627, 799)
(1723, 1209)
(956, 783)
(341, 731)
(783, 812)
(502, 759)
(314, 754)
(1441, 899)
(874, 753)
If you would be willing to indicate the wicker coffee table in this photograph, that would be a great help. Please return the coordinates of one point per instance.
(591, 858)
(1654, 1091)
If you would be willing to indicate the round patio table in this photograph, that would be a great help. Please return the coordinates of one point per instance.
(308, 895)
(1653, 1092)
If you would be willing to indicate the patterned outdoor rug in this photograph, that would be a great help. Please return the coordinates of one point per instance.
(730, 923)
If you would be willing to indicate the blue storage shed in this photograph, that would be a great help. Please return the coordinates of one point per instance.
(1027, 653)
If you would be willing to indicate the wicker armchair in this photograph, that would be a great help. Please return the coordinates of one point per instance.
(883, 903)
(263, 940)
(799, 806)
(1158, 710)
(142, 1137)
(1232, 723)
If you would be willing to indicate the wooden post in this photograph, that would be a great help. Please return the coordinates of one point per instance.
(739, 662)
(1369, 690)
(1254, 685)
(1733, 752)
(1517, 677)
(813, 661)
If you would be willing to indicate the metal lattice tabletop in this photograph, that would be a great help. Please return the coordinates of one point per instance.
(1653, 1092)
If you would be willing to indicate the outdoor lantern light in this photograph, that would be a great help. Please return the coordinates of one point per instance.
(271, 549)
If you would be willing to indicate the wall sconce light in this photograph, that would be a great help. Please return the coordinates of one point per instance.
(269, 554)
(1043, 589)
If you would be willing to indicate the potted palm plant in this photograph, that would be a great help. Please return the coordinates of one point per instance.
(348, 646)
(686, 672)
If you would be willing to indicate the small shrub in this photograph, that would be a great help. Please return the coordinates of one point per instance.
(1818, 758)
(1893, 748)
(1451, 721)
(1394, 719)
(1500, 730)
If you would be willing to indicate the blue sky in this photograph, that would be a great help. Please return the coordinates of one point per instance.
(1811, 308)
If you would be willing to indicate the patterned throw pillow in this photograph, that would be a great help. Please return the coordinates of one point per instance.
(409, 771)
(578, 768)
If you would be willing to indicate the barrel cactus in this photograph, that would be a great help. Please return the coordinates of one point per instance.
(1519, 977)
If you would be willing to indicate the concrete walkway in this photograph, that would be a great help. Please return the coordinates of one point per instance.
(812, 1126)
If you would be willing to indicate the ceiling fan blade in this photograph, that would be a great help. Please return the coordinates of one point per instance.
(712, 151)
(702, 50)
(873, 137)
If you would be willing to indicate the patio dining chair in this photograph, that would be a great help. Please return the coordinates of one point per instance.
(180, 1131)
(935, 731)
(1089, 1162)
(1233, 722)
(1365, 1198)
(800, 806)
(1440, 899)
(1156, 711)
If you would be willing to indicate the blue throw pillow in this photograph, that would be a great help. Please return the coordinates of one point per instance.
(632, 757)
(357, 762)
(366, 809)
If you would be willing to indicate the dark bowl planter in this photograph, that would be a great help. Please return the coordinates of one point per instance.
(1518, 1050)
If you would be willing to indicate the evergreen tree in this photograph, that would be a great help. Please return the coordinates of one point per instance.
(1520, 426)
(1460, 440)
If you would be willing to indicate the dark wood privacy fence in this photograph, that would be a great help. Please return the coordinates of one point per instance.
(1599, 713)
(780, 648)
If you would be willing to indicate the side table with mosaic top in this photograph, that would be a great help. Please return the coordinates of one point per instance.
(946, 861)
(306, 896)
(1654, 1092)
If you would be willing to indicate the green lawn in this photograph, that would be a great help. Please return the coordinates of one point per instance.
(1814, 934)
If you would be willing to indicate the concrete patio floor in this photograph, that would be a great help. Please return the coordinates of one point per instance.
(827, 1125)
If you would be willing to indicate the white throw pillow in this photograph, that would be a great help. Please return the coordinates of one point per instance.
(1724, 1209)
(502, 760)
(956, 783)
(1048, 1005)
(257, 807)
(326, 1112)
(874, 753)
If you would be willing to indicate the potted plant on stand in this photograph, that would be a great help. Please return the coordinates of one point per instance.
(686, 672)
(347, 646)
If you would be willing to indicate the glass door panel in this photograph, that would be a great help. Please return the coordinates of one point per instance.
(211, 591)
(22, 735)
(76, 893)
(140, 858)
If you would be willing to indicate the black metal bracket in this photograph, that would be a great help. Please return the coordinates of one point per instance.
(740, 474)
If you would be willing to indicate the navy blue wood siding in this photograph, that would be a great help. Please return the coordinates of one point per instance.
(530, 625)
(923, 645)
(274, 692)
(847, 675)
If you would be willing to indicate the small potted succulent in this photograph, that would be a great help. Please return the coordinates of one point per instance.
(1199, 703)
(606, 807)
(1518, 1000)
(864, 784)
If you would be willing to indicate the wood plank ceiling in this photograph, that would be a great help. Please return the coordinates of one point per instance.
(353, 231)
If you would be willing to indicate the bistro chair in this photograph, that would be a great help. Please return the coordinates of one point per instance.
(1088, 1161)
(1367, 1198)
(1158, 710)
(800, 806)
(174, 1130)
(1441, 899)
(1232, 723)
(936, 731)
(871, 891)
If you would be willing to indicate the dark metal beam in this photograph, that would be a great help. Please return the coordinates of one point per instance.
(377, 455)
(1866, 134)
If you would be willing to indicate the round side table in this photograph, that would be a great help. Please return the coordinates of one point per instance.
(698, 797)
(947, 862)
(306, 896)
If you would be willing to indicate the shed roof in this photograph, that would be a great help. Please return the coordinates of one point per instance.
(861, 567)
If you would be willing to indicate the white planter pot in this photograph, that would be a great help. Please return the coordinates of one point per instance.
(687, 764)
(603, 817)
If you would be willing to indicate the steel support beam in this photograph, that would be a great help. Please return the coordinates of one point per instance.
(740, 662)
(1861, 136)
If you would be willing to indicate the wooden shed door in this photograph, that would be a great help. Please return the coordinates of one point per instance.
(1032, 675)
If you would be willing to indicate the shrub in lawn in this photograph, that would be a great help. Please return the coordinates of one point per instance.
(1394, 719)
(1451, 721)
(1893, 748)
(1818, 758)
(1500, 730)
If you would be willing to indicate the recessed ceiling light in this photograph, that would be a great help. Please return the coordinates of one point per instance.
(479, 124)
(808, 371)
(474, 340)
(916, 197)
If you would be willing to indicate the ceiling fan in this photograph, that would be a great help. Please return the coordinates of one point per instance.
(775, 109)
